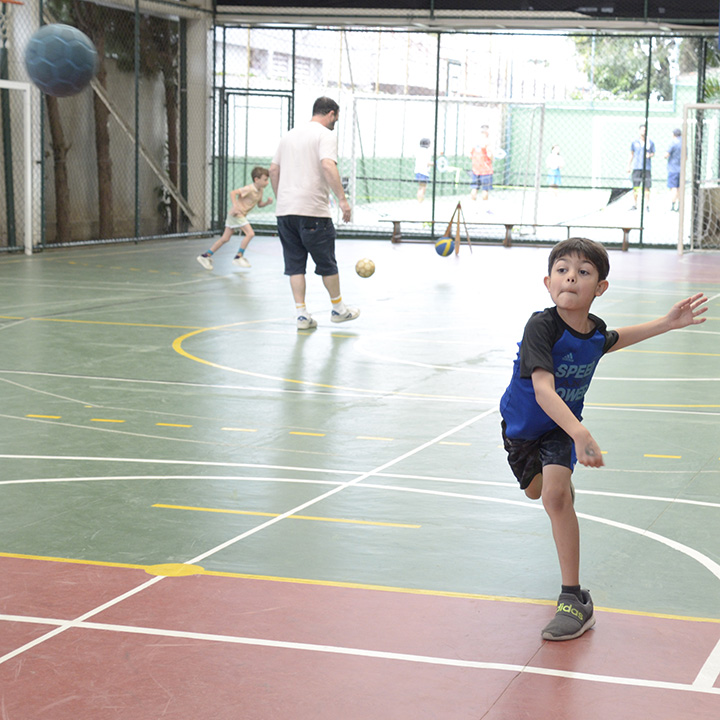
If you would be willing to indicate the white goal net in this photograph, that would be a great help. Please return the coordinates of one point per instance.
(16, 198)
(700, 178)
(382, 156)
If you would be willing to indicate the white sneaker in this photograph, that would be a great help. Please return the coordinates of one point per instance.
(305, 322)
(206, 262)
(350, 314)
(241, 261)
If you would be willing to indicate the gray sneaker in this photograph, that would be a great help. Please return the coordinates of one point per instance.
(305, 322)
(572, 617)
(350, 314)
(205, 261)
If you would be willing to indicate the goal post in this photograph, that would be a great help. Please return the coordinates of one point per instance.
(699, 196)
(382, 155)
(22, 136)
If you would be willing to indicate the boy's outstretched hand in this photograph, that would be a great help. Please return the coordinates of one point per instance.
(587, 450)
(687, 312)
(682, 314)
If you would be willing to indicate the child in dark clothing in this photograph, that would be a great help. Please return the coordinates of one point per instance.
(542, 407)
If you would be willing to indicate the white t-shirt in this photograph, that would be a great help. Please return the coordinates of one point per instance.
(302, 188)
(423, 160)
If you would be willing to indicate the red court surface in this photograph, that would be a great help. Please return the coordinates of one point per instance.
(217, 647)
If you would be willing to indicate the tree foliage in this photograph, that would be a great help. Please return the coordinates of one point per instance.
(618, 66)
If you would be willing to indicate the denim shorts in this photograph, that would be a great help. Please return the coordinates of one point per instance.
(527, 458)
(302, 236)
(484, 182)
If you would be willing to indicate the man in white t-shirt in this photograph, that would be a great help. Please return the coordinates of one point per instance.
(302, 173)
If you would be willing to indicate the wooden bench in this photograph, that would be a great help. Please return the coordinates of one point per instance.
(396, 236)
(626, 229)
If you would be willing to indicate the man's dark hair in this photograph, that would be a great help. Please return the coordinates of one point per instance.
(324, 105)
(589, 250)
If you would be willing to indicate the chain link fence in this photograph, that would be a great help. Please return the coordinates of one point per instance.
(534, 134)
(111, 162)
(559, 116)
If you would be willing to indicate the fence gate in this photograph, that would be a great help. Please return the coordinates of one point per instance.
(251, 124)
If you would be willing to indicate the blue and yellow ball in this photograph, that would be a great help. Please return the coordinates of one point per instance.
(444, 246)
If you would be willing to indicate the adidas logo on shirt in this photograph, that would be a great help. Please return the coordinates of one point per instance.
(569, 358)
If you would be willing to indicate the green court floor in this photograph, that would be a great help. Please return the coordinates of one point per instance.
(156, 413)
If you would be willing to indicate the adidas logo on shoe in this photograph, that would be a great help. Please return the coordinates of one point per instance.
(572, 618)
(566, 608)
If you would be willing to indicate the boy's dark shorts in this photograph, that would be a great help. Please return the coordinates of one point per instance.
(527, 458)
(637, 179)
(302, 236)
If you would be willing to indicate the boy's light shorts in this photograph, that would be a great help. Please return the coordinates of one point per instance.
(527, 458)
(235, 221)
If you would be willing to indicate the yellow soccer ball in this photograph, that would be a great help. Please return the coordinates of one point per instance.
(365, 267)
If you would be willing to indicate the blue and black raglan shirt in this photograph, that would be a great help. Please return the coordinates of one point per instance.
(550, 344)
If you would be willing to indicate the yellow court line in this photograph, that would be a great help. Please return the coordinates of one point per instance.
(297, 432)
(290, 517)
(105, 322)
(177, 346)
(648, 405)
(670, 352)
(172, 425)
(72, 561)
(46, 417)
(362, 586)
(669, 457)
(108, 420)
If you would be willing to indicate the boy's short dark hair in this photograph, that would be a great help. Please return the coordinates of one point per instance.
(258, 172)
(324, 105)
(589, 250)
(425, 142)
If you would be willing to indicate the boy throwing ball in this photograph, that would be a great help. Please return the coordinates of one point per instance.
(243, 201)
(542, 407)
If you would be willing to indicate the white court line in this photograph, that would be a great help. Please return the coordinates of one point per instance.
(339, 488)
(328, 471)
(331, 390)
(113, 478)
(374, 654)
(693, 554)
(151, 461)
(45, 392)
(670, 500)
(504, 370)
(708, 675)
(242, 536)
